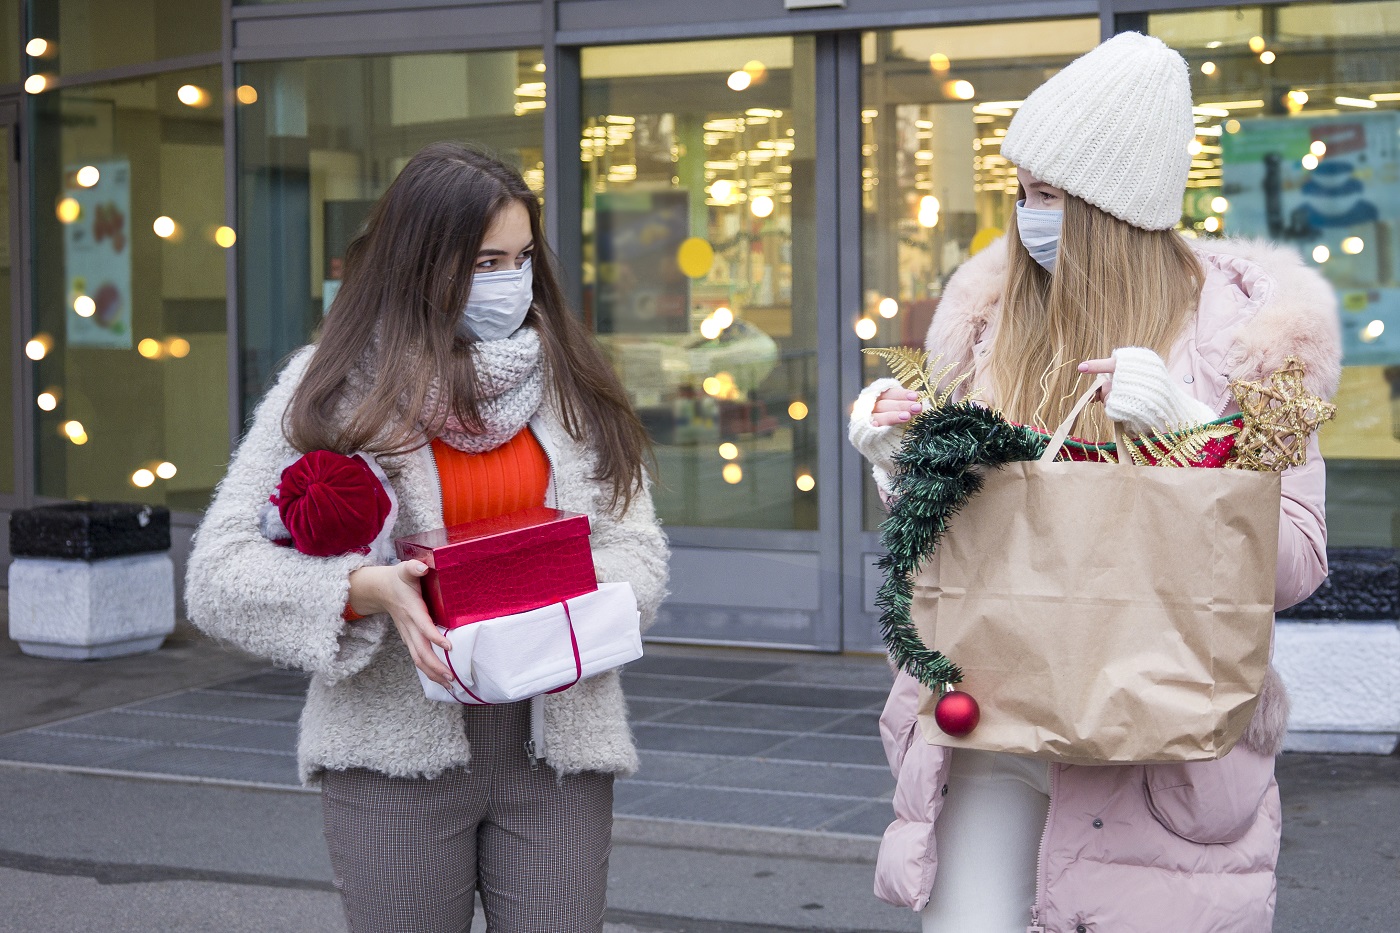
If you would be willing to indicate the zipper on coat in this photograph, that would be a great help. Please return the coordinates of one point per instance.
(1036, 926)
(535, 747)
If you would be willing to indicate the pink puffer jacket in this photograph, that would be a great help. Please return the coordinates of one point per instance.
(1130, 849)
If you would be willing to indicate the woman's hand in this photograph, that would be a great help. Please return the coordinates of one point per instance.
(398, 590)
(895, 406)
(1100, 367)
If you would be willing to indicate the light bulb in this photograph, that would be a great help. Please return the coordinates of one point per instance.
(84, 306)
(797, 411)
(728, 451)
(761, 206)
(88, 176)
(887, 307)
(805, 482)
(164, 227)
(225, 237)
(866, 329)
(142, 478)
(166, 470)
(739, 81)
(732, 473)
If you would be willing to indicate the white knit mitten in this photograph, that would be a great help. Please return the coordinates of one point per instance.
(876, 444)
(1146, 399)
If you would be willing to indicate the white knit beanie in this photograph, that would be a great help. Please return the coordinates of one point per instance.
(1112, 128)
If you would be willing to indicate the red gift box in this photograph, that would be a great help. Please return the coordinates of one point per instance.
(500, 566)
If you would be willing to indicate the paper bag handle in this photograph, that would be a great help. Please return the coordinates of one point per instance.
(1057, 440)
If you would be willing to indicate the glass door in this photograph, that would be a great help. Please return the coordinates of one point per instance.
(702, 190)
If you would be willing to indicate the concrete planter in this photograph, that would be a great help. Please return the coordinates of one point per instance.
(91, 580)
(1339, 654)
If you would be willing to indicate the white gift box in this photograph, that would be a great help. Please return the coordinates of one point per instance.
(520, 656)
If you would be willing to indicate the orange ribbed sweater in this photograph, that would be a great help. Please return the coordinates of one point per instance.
(512, 477)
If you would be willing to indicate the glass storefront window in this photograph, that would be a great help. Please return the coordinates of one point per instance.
(68, 37)
(936, 189)
(1298, 121)
(319, 141)
(11, 46)
(129, 342)
(699, 254)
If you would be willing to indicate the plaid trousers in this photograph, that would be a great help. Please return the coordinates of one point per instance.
(410, 853)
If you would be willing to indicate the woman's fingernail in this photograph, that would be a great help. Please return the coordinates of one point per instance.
(1083, 367)
(913, 396)
(904, 416)
(874, 423)
(916, 408)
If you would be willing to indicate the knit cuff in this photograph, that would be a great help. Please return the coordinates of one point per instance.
(1145, 398)
(876, 444)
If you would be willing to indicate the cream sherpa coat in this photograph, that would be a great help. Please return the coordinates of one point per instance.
(365, 707)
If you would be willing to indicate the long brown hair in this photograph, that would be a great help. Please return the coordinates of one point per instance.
(1115, 285)
(406, 279)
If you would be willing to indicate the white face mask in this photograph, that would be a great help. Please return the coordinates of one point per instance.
(498, 302)
(1040, 232)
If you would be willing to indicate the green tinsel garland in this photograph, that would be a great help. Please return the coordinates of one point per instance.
(933, 482)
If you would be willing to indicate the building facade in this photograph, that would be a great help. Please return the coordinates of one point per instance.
(744, 194)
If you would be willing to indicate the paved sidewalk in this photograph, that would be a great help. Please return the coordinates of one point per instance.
(787, 743)
(160, 792)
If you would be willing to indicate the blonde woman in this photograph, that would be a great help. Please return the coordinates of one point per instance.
(1092, 278)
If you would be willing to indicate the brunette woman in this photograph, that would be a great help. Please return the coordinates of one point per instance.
(450, 357)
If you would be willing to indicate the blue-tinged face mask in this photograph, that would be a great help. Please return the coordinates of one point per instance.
(499, 302)
(1040, 233)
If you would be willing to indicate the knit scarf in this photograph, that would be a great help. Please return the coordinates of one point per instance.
(510, 387)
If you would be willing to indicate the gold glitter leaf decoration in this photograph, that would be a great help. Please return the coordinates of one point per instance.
(1177, 447)
(1280, 414)
(917, 372)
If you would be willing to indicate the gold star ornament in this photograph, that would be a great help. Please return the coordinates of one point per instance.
(1280, 414)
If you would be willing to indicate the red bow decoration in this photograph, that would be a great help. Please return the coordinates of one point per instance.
(332, 504)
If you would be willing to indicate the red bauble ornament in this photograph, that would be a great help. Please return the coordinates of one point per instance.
(957, 713)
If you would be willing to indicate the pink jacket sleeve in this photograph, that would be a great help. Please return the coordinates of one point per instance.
(1302, 531)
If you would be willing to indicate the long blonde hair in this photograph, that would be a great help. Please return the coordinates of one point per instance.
(1115, 285)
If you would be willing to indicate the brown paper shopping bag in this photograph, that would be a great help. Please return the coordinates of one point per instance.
(1105, 613)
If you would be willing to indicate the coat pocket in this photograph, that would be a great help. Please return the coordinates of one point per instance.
(1210, 802)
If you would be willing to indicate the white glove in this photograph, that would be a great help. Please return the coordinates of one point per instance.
(876, 444)
(1145, 398)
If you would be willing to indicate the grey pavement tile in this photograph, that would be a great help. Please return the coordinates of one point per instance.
(643, 708)
(841, 698)
(254, 767)
(836, 748)
(872, 673)
(628, 793)
(801, 776)
(661, 737)
(744, 808)
(870, 820)
(74, 751)
(256, 737)
(277, 683)
(127, 725)
(677, 766)
(665, 687)
(229, 705)
(865, 723)
(716, 668)
(752, 716)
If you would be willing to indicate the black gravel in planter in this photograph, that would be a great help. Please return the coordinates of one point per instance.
(89, 530)
(1363, 585)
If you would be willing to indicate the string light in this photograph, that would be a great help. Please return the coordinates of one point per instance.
(797, 411)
